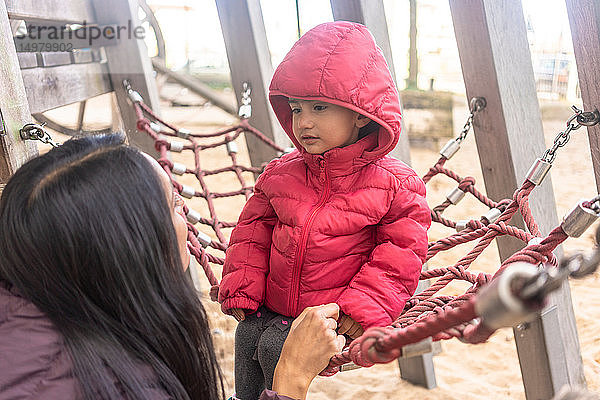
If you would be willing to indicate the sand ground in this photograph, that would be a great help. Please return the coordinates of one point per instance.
(486, 371)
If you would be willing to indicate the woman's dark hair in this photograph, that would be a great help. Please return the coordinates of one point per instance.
(86, 235)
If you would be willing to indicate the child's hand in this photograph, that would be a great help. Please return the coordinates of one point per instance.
(348, 326)
(238, 314)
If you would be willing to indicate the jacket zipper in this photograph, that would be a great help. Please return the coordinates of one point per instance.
(295, 294)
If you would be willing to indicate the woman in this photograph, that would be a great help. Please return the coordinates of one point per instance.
(94, 301)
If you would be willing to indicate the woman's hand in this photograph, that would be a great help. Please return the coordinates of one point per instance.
(348, 326)
(312, 341)
(238, 314)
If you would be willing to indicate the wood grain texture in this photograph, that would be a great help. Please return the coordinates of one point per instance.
(584, 18)
(53, 87)
(129, 60)
(14, 109)
(74, 11)
(496, 64)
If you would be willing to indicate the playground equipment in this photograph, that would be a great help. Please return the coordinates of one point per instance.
(484, 47)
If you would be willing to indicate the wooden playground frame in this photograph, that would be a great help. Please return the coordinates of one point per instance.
(495, 59)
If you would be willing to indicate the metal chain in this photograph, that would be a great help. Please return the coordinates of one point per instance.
(37, 132)
(476, 104)
(576, 121)
(245, 110)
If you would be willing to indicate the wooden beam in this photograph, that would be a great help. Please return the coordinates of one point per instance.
(67, 11)
(128, 59)
(584, 18)
(196, 86)
(53, 59)
(14, 110)
(82, 56)
(371, 13)
(496, 64)
(27, 60)
(53, 87)
(250, 61)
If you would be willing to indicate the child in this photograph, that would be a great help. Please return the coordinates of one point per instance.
(334, 221)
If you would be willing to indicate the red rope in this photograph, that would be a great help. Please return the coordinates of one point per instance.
(425, 314)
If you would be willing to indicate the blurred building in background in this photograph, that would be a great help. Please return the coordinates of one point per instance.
(194, 42)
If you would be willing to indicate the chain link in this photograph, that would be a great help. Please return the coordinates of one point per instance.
(576, 121)
(37, 132)
(476, 104)
(245, 110)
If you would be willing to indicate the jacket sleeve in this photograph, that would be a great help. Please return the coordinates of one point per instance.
(247, 257)
(377, 293)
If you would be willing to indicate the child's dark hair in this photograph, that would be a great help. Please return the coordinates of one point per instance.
(371, 127)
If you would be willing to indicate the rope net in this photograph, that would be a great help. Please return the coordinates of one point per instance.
(426, 314)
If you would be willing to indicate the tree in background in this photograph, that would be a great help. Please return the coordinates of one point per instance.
(413, 66)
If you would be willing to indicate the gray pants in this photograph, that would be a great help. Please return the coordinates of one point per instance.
(258, 343)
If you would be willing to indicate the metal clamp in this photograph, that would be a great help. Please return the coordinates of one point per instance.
(204, 239)
(492, 215)
(178, 168)
(497, 303)
(134, 96)
(538, 171)
(176, 146)
(193, 216)
(155, 126)
(183, 133)
(455, 196)
(232, 148)
(450, 149)
(187, 191)
(579, 219)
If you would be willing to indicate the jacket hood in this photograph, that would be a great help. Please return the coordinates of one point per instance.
(339, 63)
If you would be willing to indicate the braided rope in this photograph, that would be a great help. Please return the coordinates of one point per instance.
(425, 314)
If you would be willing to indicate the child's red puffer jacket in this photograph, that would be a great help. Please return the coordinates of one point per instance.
(349, 226)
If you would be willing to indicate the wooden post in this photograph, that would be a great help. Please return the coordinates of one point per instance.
(14, 110)
(371, 14)
(584, 18)
(250, 61)
(129, 60)
(417, 370)
(495, 59)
